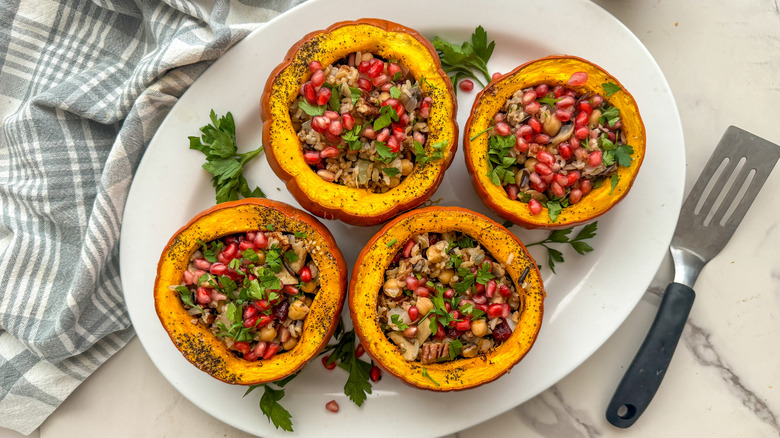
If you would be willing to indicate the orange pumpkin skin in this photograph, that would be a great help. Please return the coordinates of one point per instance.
(284, 150)
(196, 342)
(368, 278)
(552, 70)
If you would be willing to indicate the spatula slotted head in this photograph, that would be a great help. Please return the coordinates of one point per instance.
(724, 192)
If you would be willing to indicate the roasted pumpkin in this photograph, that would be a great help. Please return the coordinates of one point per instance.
(355, 205)
(196, 342)
(382, 252)
(588, 81)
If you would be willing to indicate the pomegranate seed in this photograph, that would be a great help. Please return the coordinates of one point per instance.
(563, 115)
(203, 295)
(586, 186)
(323, 96)
(318, 78)
(505, 309)
(440, 332)
(499, 117)
(532, 108)
(425, 107)
(375, 68)
(329, 152)
(594, 158)
(250, 311)
(399, 131)
(535, 125)
(535, 206)
(503, 129)
(557, 189)
(545, 157)
(504, 290)
(521, 145)
(380, 80)
(463, 325)
(309, 93)
(525, 131)
(572, 177)
(320, 123)
(577, 79)
(449, 293)
(414, 313)
(411, 282)
(251, 321)
(528, 97)
(581, 120)
(271, 350)
(245, 245)
(364, 84)
(218, 269)
(548, 178)
(564, 150)
(251, 356)
(565, 102)
(479, 299)
(383, 135)
(363, 66)
(494, 311)
(332, 406)
(557, 91)
(408, 249)
(422, 291)
(393, 144)
(231, 251)
(291, 290)
(495, 76)
(393, 102)
(348, 121)
(597, 101)
(542, 169)
(202, 264)
(375, 373)
(359, 350)
(466, 85)
(581, 132)
(241, 346)
(189, 278)
(368, 133)
(403, 119)
(410, 332)
(419, 137)
(574, 196)
(327, 365)
(392, 69)
(561, 179)
(305, 274)
(259, 349)
(336, 128)
(542, 89)
(490, 289)
(585, 107)
(315, 65)
(261, 305)
(512, 190)
(260, 240)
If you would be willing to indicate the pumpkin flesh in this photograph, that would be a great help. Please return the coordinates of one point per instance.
(552, 72)
(197, 342)
(284, 150)
(377, 257)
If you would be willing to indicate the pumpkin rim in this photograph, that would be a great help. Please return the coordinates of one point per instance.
(350, 204)
(464, 373)
(208, 352)
(598, 201)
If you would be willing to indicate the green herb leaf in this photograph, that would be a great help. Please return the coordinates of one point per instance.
(355, 94)
(391, 243)
(454, 348)
(395, 93)
(614, 182)
(548, 101)
(300, 235)
(223, 162)
(623, 155)
(290, 256)
(387, 115)
(186, 297)
(562, 236)
(385, 154)
(462, 61)
(610, 88)
(396, 320)
(312, 110)
(610, 116)
(391, 171)
(425, 374)
(554, 208)
(276, 413)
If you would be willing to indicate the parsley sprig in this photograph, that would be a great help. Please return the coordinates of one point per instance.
(269, 402)
(562, 236)
(461, 61)
(500, 162)
(358, 384)
(223, 162)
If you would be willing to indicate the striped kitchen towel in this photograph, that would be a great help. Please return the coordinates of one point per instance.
(83, 87)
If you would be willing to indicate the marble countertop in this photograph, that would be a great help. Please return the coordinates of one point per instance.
(722, 60)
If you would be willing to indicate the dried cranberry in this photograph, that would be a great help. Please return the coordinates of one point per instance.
(502, 332)
(280, 311)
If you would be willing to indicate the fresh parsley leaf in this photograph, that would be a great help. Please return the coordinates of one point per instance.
(352, 137)
(276, 413)
(454, 348)
(387, 115)
(355, 94)
(395, 93)
(614, 182)
(270, 227)
(273, 258)
(484, 274)
(312, 110)
(554, 208)
(461, 61)
(186, 297)
(223, 162)
(499, 160)
(610, 116)
(335, 98)
(610, 88)
(391, 171)
(396, 320)
(300, 235)
(385, 154)
(549, 101)
(290, 256)
(623, 155)
(562, 236)
(251, 255)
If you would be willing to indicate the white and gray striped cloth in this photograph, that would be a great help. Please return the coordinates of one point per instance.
(83, 87)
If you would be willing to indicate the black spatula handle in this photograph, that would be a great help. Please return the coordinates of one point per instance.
(649, 366)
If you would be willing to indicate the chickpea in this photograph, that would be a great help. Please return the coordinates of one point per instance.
(446, 275)
(394, 181)
(551, 126)
(298, 310)
(309, 287)
(470, 351)
(290, 343)
(406, 167)
(594, 118)
(530, 164)
(479, 328)
(392, 288)
(424, 305)
(267, 333)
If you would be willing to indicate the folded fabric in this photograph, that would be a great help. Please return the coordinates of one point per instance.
(83, 87)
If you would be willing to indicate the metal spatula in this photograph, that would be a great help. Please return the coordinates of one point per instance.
(726, 188)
